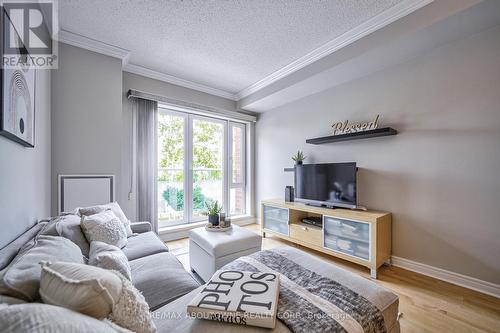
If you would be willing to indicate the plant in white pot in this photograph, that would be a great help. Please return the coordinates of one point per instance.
(213, 211)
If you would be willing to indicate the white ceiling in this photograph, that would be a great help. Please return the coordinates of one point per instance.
(229, 45)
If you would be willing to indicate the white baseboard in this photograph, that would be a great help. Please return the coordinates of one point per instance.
(484, 287)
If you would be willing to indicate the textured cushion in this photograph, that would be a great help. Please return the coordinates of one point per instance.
(109, 257)
(96, 292)
(21, 278)
(104, 227)
(114, 207)
(68, 226)
(219, 244)
(143, 244)
(161, 278)
(37, 317)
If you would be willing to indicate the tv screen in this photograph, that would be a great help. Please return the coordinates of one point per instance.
(329, 184)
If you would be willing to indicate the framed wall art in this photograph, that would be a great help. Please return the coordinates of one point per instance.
(17, 111)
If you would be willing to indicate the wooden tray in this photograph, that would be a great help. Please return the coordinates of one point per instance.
(217, 229)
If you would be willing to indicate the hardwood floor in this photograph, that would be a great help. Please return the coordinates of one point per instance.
(427, 304)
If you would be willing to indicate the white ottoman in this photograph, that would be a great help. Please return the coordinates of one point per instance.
(209, 251)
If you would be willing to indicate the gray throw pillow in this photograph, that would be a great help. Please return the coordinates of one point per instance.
(68, 226)
(109, 257)
(21, 279)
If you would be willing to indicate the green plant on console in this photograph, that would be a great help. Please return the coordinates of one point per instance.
(299, 157)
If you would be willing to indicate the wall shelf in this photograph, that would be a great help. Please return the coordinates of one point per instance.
(354, 136)
(289, 169)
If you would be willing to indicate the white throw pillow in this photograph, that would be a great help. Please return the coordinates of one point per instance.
(109, 257)
(97, 292)
(104, 227)
(83, 288)
(114, 207)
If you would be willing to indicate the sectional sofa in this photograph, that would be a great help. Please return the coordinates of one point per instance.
(339, 300)
(156, 272)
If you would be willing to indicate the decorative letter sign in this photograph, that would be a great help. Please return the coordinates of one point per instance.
(346, 127)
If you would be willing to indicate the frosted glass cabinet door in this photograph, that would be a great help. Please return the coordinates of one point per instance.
(276, 219)
(349, 237)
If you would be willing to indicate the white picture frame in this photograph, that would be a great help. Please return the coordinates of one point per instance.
(84, 190)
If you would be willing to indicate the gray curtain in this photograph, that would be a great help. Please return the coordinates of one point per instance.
(147, 115)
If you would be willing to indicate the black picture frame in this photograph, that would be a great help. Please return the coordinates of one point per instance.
(4, 21)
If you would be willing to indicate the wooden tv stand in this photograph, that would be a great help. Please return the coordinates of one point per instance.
(362, 237)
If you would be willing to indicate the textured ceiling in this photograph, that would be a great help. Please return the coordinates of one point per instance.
(224, 44)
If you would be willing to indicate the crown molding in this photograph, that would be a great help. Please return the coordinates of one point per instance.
(90, 44)
(93, 45)
(139, 70)
(377, 22)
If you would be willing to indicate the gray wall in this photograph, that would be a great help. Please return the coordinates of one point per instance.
(25, 172)
(439, 176)
(86, 116)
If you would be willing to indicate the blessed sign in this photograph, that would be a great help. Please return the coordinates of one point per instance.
(344, 127)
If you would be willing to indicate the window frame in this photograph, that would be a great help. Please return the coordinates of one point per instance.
(189, 196)
(243, 184)
(227, 169)
(185, 117)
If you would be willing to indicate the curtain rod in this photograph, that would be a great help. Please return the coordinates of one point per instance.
(191, 107)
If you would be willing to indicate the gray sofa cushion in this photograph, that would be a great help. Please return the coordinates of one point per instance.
(21, 279)
(37, 317)
(140, 227)
(8, 252)
(161, 278)
(142, 245)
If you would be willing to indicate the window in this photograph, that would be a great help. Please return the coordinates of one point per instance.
(200, 159)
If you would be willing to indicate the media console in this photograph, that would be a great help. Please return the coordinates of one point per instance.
(362, 237)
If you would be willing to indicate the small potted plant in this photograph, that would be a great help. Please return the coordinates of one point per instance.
(213, 210)
(299, 157)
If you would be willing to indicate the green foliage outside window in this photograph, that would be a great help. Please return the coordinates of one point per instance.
(175, 198)
(207, 153)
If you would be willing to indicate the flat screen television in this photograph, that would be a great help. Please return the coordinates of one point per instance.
(328, 184)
